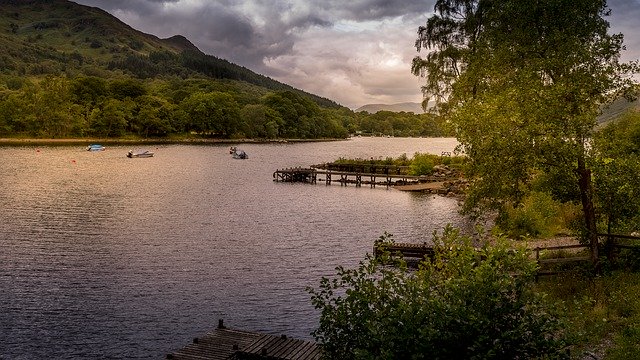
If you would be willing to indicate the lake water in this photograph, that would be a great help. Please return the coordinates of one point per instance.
(102, 256)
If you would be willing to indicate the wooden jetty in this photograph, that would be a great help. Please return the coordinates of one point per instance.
(410, 251)
(307, 175)
(312, 175)
(223, 343)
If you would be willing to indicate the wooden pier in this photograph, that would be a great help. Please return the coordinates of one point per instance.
(313, 175)
(410, 251)
(223, 343)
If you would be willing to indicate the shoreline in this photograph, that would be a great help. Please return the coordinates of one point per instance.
(159, 141)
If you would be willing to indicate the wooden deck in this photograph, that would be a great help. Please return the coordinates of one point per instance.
(412, 251)
(228, 344)
(313, 175)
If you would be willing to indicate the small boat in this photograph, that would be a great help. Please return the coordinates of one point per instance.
(96, 147)
(139, 154)
(237, 153)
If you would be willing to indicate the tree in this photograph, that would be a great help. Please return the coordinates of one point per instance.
(255, 119)
(153, 116)
(522, 82)
(466, 303)
(616, 168)
(212, 113)
(110, 120)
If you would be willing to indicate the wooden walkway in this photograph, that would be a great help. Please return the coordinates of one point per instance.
(413, 251)
(313, 175)
(228, 344)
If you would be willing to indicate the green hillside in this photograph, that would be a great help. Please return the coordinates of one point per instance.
(73, 71)
(54, 37)
(616, 109)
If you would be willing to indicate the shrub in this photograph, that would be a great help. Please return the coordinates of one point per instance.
(467, 303)
(422, 164)
(537, 216)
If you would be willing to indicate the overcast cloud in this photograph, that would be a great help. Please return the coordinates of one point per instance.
(354, 52)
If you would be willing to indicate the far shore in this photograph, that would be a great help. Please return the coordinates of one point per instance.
(154, 141)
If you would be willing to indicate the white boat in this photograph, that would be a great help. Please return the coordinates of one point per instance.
(238, 154)
(96, 147)
(139, 154)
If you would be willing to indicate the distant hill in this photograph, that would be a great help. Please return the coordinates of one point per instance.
(413, 107)
(617, 108)
(611, 112)
(59, 37)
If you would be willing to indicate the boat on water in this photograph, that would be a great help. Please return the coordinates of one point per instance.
(96, 147)
(139, 154)
(237, 153)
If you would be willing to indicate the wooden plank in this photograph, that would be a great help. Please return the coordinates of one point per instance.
(281, 348)
(564, 260)
(219, 344)
(561, 247)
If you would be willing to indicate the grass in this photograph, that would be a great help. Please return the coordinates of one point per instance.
(601, 314)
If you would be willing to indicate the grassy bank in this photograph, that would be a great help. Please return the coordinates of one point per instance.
(601, 314)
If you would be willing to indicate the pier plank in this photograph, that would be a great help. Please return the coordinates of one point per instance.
(225, 343)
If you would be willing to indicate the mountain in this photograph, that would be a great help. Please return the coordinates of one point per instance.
(59, 37)
(616, 109)
(415, 108)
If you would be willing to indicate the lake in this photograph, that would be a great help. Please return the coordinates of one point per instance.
(102, 256)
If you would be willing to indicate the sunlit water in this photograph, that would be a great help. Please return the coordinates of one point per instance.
(102, 256)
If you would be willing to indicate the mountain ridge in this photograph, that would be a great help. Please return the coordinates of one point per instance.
(413, 107)
(60, 37)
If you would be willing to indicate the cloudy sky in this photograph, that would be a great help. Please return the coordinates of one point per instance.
(354, 52)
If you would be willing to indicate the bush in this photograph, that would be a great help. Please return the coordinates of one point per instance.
(465, 304)
(537, 216)
(422, 164)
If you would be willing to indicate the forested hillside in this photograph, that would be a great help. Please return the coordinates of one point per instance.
(68, 70)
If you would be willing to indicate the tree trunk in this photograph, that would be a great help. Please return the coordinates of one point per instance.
(586, 196)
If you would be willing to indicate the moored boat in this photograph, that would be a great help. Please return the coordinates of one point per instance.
(239, 154)
(96, 147)
(140, 154)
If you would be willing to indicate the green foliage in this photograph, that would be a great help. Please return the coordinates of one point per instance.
(467, 303)
(422, 164)
(400, 124)
(537, 216)
(618, 192)
(616, 170)
(519, 82)
(620, 137)
(594, 309)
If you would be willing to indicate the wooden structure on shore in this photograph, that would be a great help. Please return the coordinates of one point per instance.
(551, 260)
(408, 251)
(313, 175)
(223, 343)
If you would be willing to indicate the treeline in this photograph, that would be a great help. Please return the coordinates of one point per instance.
(58, 107)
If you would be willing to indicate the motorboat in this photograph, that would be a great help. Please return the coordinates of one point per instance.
(239, 154)
(96, 147)
(139, 154)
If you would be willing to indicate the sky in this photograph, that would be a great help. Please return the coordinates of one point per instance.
(355, 52)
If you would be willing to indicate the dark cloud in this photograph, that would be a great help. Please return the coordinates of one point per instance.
(354, 52)
(380, 9)
(625, 19)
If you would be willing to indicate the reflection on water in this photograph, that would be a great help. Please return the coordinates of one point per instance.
(109, 257)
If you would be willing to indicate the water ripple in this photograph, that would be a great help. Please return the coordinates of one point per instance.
(108, 257)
